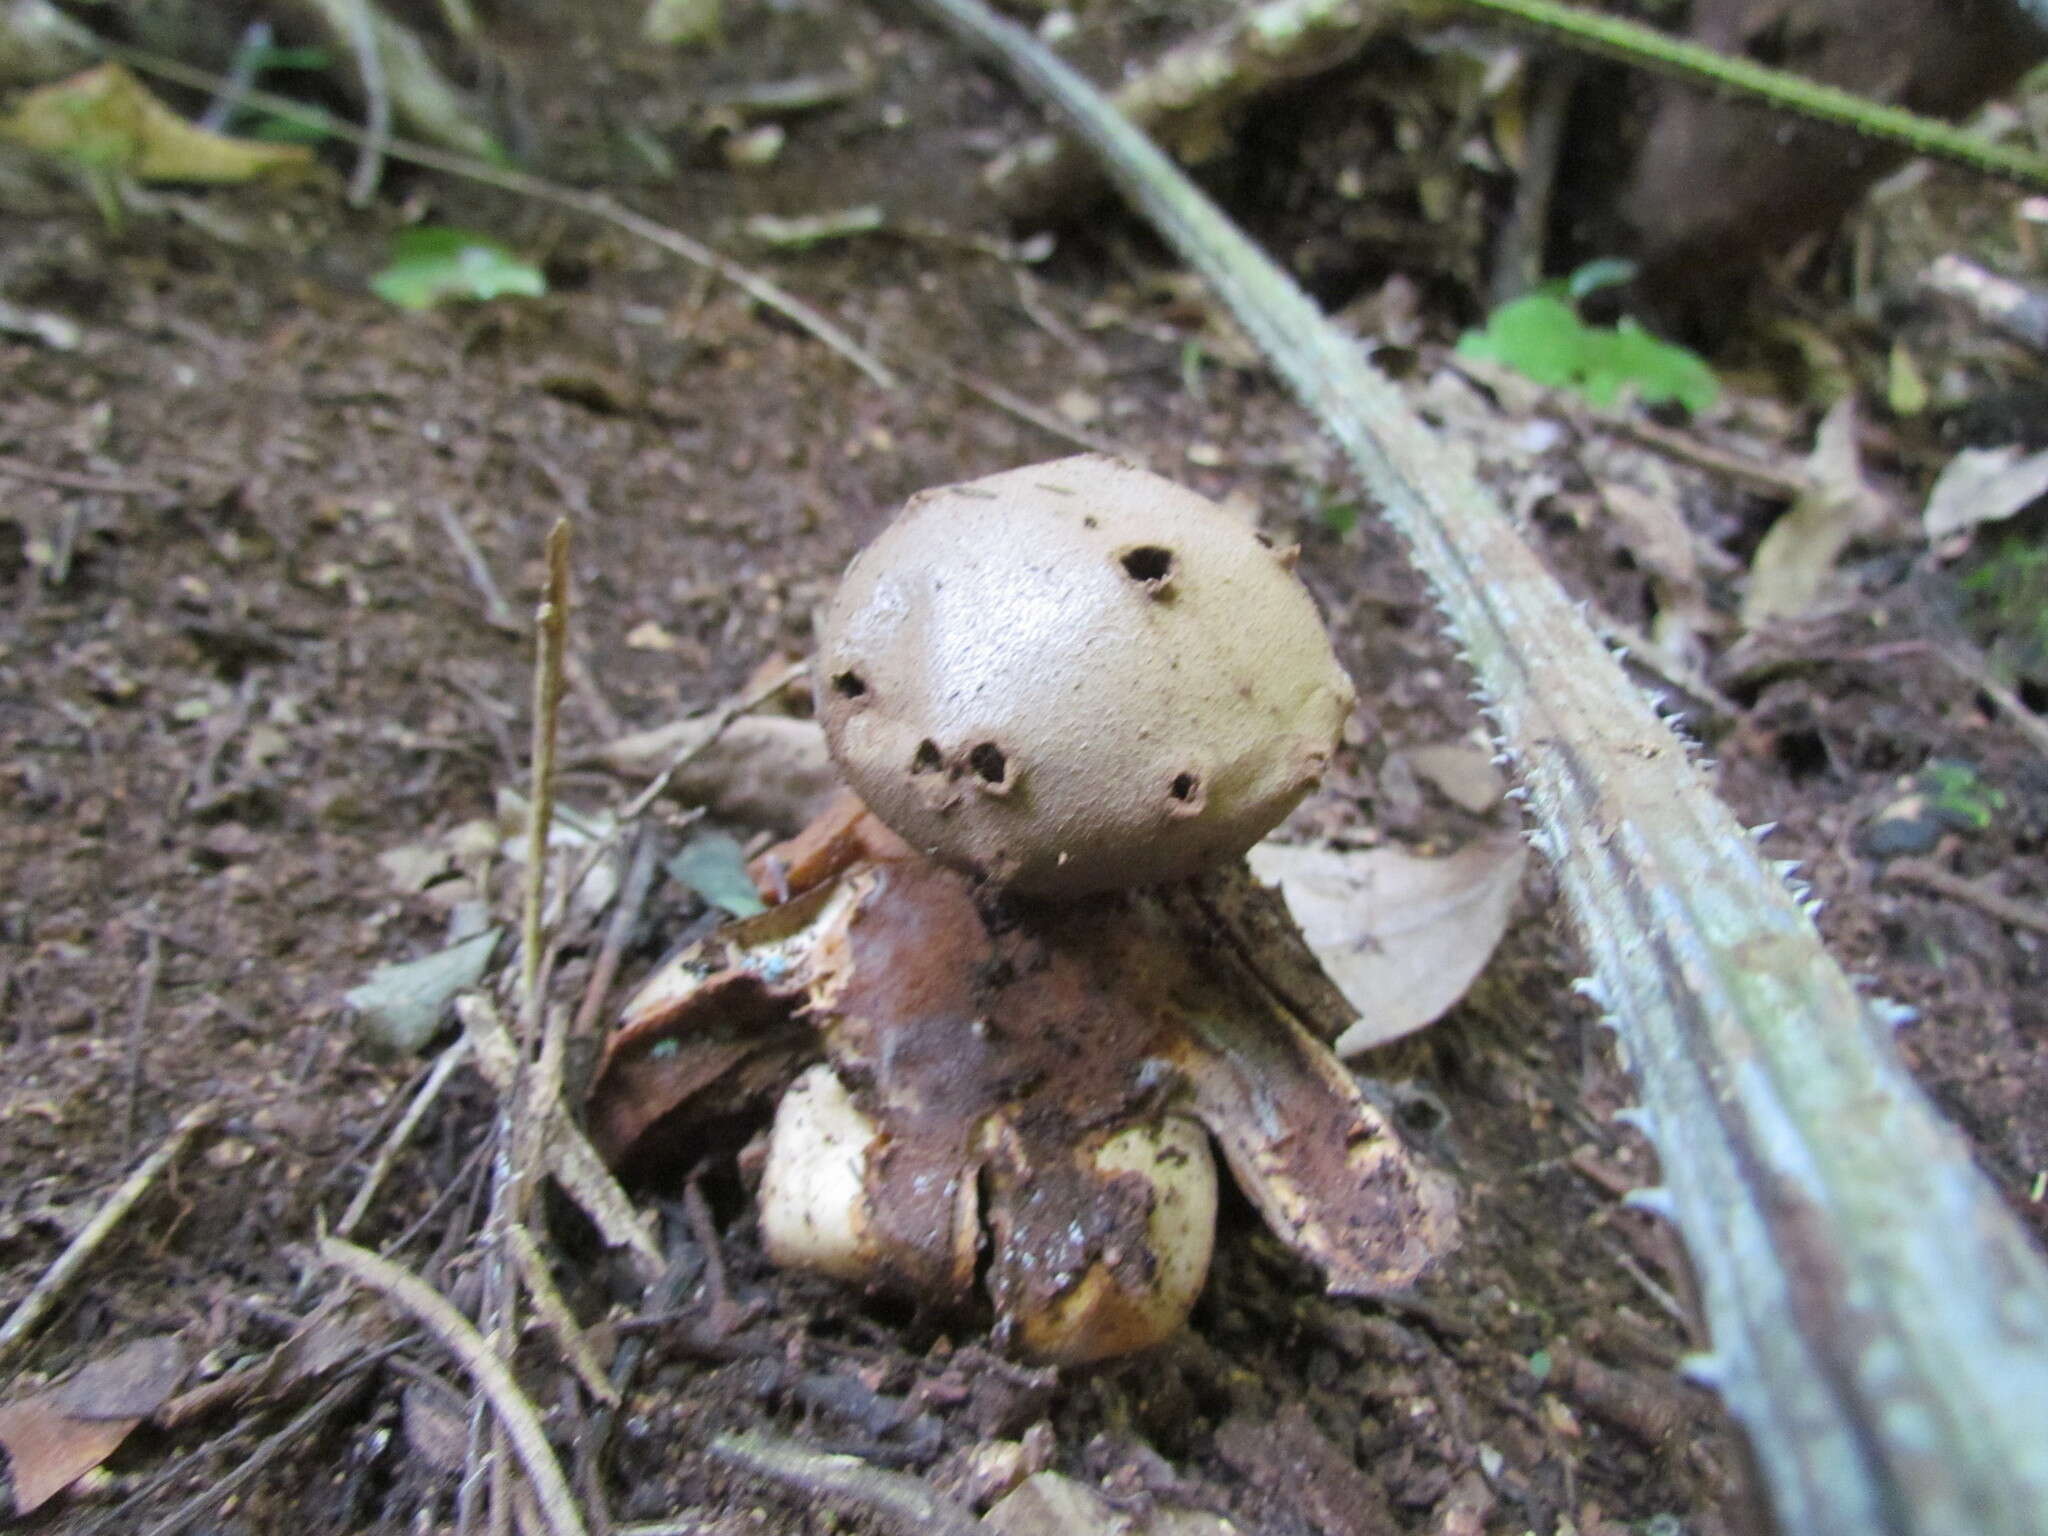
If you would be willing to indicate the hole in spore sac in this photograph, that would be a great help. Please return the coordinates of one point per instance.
(987, 760)
(926, 759)
(1183, 786)
(849, 685)
(1148, 563)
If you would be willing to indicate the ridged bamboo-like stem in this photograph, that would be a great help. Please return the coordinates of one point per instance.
(1880, 1321)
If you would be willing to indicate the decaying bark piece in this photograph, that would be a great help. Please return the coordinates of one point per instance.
(1186, 99)
(1001, 1047)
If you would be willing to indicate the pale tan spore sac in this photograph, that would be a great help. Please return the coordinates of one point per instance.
(1077, 676)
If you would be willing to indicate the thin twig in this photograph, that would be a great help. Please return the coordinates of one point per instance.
(725, 1314)
(764, 292)
(571, 1159)
(387, 1154)
(894, 1499)
(46, 1291)
(458, 1335)
(1025, 411)
(1518, 249)
(1665, 1301)
(468, 1177)
(363, 41)
(138, 1032)
(551, 624)
(497, 612)
(2015, 309)
(1771, 479)
(619, 931)
(721, 717)
(527, 1099)
(1932, 877)
(65, 479)
(554, 1311)
(243, 69)
(661, 1295)
(1973, 670)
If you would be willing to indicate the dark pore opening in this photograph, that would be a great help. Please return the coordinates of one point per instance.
(1148, 563)
(986, 759)
(848, 685)
(1183, 786)
(926, 759)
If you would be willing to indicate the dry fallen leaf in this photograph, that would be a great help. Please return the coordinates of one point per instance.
(55, 1437)
(1403, 937)
(758, 771)
(402, 1004)
(107, 119)
(1052, 1504)
(1984, 485)
(1802, 546)
(1463, 773)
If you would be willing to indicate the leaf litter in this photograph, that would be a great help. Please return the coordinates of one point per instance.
(1402, 936)
(56, 1436)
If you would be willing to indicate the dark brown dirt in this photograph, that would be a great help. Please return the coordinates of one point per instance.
(240, 658)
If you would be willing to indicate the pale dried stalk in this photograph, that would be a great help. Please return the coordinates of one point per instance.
(493, 1378)
(554, 1311)
(44, 1294)
(1880, 1320)
(401, 1135)
(569, 1157)
(896, 1501)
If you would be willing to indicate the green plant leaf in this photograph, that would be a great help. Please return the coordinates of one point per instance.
(1958, 796)
(263, 60)
(282, 128)
(714, 866)
(1659, 370)
(1541, 337)
(430, 263)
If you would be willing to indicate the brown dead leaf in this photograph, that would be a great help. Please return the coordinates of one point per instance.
(759, 771)
(1403, 937)
(1800, 550)
(56, 1436)
(842, 834)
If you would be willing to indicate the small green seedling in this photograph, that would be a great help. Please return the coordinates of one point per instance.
(431, 263)
(1958, 797)
(1542, 337)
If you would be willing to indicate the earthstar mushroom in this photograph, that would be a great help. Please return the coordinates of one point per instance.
(1004, 1027)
